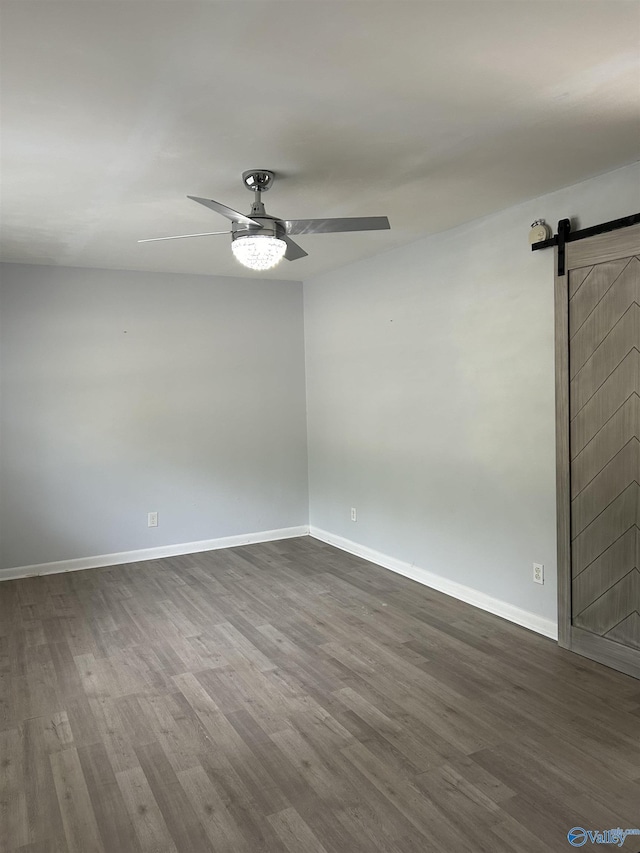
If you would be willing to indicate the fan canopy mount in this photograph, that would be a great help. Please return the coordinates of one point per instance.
(258, 180)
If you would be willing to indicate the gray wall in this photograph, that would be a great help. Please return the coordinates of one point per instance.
(430, 396)
(124, 393)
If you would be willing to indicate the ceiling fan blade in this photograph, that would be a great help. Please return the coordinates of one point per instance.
(327, 226)
(229, 212)
(293, 250)
(182, 236)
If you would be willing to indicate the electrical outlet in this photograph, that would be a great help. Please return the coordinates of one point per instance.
(538, 573)
(354, 514)
(152, 519)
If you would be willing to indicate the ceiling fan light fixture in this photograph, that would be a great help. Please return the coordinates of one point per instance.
(258, 251)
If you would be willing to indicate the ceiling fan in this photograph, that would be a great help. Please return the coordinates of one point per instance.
(260, 241)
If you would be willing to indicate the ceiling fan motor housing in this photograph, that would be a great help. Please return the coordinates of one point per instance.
(270, 228)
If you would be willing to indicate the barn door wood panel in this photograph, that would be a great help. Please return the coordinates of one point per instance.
(598, 396)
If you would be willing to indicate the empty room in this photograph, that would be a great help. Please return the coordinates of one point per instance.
(319, 426)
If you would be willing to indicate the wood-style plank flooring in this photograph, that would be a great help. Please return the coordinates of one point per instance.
(290, 698)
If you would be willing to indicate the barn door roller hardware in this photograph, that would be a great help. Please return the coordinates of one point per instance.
(565, 235)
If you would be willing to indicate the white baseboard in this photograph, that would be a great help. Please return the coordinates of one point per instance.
(457, 590)
(142, 554)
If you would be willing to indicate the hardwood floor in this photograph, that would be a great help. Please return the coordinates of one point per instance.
(290, 697)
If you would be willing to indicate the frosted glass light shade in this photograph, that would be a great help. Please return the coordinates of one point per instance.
(259, 251)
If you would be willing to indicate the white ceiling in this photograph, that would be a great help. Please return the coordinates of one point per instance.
(432, 113)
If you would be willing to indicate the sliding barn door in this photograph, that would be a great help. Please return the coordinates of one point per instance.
(598, 384)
